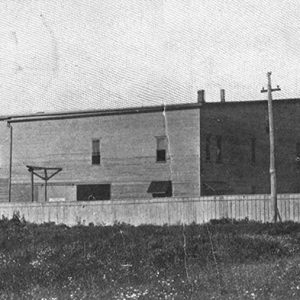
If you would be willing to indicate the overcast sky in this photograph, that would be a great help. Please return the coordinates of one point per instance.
(71, 54)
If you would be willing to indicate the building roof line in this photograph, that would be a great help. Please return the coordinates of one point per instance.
(129, 110)
(281, 100)
(96, 113)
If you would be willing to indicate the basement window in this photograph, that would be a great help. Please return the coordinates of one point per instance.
(95, 152)
(93, 192)
(160, 189)
(161, 148)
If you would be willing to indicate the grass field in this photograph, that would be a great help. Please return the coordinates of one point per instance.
(223, 259)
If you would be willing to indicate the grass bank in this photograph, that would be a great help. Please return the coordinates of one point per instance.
(220, 260)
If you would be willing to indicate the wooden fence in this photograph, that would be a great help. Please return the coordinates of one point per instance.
(157, 211)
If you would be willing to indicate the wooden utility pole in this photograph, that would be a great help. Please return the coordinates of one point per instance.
(10, 160)
(272, 147)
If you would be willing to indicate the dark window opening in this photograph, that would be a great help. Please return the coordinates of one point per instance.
(267, 128)
(219, 149)
(96, 152)
(161, 155)
(93, 192)
(298, 155)
(253, 150)
(96, 159)
(161, 148)
(207, 147)
(160, 189)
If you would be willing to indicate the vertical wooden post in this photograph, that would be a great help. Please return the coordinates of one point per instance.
(46, 179)
(32, 186)
(272, 147)
(45, 190)
(32, 169)
(10, 161)
(201, 101)
(272, 150)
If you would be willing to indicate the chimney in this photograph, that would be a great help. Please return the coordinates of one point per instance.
(222, 95)
(201, 96)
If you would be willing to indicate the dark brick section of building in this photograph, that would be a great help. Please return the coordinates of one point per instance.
(235, 147)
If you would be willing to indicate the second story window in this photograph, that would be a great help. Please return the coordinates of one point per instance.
(161, 148)
(96, 152)
(207, 147)
(219, 149)
(298, 155)
(253, 150)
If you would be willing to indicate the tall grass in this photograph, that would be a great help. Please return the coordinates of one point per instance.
(146, 262)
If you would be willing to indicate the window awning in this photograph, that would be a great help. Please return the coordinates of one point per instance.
(159, 187)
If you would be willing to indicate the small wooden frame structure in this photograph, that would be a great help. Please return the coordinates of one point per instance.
(45, 176)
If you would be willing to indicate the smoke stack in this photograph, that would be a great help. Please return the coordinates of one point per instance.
(222, 95)
(201, 96)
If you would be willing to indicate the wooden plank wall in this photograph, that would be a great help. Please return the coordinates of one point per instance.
(158, 211)
(3, 189)
(128, 153)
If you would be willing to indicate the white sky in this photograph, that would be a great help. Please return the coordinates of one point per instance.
(71, 54)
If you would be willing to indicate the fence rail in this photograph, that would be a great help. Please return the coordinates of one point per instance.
(157, 211)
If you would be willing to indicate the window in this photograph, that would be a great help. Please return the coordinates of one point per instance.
(160, 189)
(298, 155)
(253, 150)
(207, 147)
(96, 152)
(219, 149)
(161, 148)
(93, 192)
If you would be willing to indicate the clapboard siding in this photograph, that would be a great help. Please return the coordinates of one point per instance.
(3, 189)
(128, 152)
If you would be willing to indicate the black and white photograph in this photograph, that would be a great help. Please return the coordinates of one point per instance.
(149, 149)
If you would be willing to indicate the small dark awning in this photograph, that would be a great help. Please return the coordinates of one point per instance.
(159, 187)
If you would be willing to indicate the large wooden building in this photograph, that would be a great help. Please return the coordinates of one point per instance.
(182, 150)
(112, 154)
